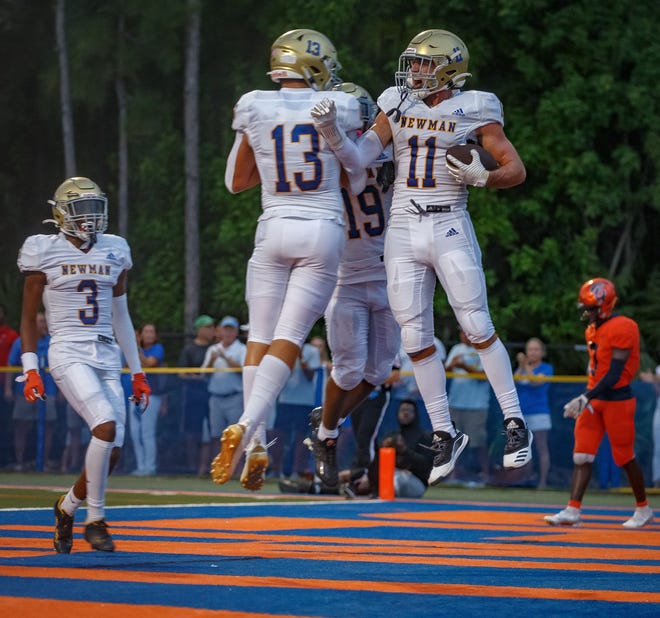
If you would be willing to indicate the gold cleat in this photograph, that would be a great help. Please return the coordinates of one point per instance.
(222, 467)
(254, 470)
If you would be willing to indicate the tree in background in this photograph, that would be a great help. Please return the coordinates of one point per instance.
(577, 81)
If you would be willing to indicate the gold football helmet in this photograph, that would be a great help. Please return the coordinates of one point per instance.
(434, 60)
(368, 107)
(305, 54)
(80, 208)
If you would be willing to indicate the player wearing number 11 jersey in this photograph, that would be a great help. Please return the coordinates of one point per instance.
(80, 276)
(300, 235)
(430, 234)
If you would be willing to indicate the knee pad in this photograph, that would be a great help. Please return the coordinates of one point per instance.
(413, 339)
(583, 458)
(477, 324)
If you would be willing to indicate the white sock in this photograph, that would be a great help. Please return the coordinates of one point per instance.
(71, 503)
(249, 371)
(270, 378)
(497, 366)
(97, 465)
(432, 384)
(258, 438)
(324, 432)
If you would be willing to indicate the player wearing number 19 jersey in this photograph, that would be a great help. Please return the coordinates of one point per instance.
(363, 335)
(80, 276)
(430, 234)
(300, 234)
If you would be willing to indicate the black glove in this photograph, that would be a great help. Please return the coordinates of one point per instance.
(385, 176)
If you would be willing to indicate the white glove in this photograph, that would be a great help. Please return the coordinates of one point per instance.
(324, 115)
(574, 407)
(473, 174)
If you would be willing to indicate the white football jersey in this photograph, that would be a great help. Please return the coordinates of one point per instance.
(299, 173)
(421, 137)
(366, 222)
(78, 294)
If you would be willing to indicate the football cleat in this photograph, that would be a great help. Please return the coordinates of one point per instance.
(518, 446)
(224, 464)
(643, 515)
(446, 451)
(63, 538)
(570, 516)
(254, 470)
(325, 460)
(315, 417)
(96, 534)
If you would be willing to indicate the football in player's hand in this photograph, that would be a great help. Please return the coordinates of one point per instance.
(462, 152)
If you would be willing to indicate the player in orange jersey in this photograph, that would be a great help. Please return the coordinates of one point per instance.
(608, 405)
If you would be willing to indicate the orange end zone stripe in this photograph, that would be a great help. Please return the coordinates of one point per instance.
(38, 608)
(195, 579)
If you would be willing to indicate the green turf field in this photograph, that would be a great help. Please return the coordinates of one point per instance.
(39, 489)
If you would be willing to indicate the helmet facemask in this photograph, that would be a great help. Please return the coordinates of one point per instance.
(434, 60)
(431, 74)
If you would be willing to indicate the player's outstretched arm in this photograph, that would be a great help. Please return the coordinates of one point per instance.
(354, 156)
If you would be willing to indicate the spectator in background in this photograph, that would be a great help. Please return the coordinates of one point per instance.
(225, 386)
(7, 338)
(534, 398)
(195, 395)
(320, 344)
(653, 378)
(366, 420)
(290, 456)
(77, 437)
(143, 424)
(414, 457)
(469, 400)
(26, 414)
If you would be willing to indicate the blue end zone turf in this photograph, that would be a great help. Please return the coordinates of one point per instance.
(363, 559)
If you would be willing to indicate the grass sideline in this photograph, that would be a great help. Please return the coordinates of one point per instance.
(30, 490)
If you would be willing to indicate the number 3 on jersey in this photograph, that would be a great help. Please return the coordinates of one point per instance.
(89, 315)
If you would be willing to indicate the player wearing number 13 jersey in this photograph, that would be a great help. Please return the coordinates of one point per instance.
(80, 276)
(300, 234)
(430, 234)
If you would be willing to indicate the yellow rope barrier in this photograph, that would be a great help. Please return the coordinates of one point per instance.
(450, 374)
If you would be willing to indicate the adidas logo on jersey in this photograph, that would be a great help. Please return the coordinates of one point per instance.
(458, 112)
(451, 232)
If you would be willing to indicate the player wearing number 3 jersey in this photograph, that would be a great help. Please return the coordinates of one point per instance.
(430, 234)
(80, 276)
(299, 237)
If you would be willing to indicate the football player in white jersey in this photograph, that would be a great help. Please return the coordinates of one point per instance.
(430, 233)
(300, 234)
(363, 335)
(80, 276)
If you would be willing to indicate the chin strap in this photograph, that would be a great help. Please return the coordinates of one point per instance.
(396, 111)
